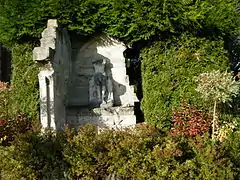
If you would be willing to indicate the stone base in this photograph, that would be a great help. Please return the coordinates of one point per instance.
(112, 117)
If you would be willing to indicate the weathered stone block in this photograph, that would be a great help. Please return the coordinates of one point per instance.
(85, 84)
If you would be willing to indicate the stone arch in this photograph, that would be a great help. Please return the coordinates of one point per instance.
(94, 49)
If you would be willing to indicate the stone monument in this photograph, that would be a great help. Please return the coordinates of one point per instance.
(101, 85)
(83, 81)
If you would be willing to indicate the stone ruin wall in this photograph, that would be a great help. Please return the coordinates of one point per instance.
(53, 56)
(83, 56)
(66, 81)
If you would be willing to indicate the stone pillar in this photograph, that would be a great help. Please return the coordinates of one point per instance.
(47, 99)
(53, 57)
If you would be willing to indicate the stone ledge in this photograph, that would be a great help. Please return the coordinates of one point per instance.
(102, 121)
(111, 111)
(41, 53)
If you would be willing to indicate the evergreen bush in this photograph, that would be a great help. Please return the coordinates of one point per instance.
(10, 125)
(128, 20)
(206, 22)
(33, 156)
(24, 83)
(141, 153)
(169, 71)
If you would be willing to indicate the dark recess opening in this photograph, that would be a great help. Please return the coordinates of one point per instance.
(133, 64)
(5, 64)
(233, 47)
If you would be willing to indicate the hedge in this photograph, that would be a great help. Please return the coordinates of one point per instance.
(169, 71)
(128, 20)
(168, 66)
(24, 83)
(143, 153)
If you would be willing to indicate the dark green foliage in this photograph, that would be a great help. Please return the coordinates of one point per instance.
(169, 70)
(111, 152)
(24, 90)
(231, 150)
(11, 124)
(33, 156)
(209, 162)
(129, 20)
(142, 153)
(146, 153)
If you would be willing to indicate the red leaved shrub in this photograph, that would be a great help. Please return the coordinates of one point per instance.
(11, 126)
(190, 121)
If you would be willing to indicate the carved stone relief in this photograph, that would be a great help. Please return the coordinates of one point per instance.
(100, 86)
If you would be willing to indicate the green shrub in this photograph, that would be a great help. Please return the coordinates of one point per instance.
(126, 154)
(216, 88)
(19, 100)
(129, 20)
(145, 153)
(141, 153)
(169, 70)
(24, 83)
(86, 159)
(230, 149)
(33, 156)
(10, 124)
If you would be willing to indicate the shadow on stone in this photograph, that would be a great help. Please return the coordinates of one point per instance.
(90, 72)
(82, 80)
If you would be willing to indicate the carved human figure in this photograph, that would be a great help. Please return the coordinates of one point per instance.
(103, 83)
